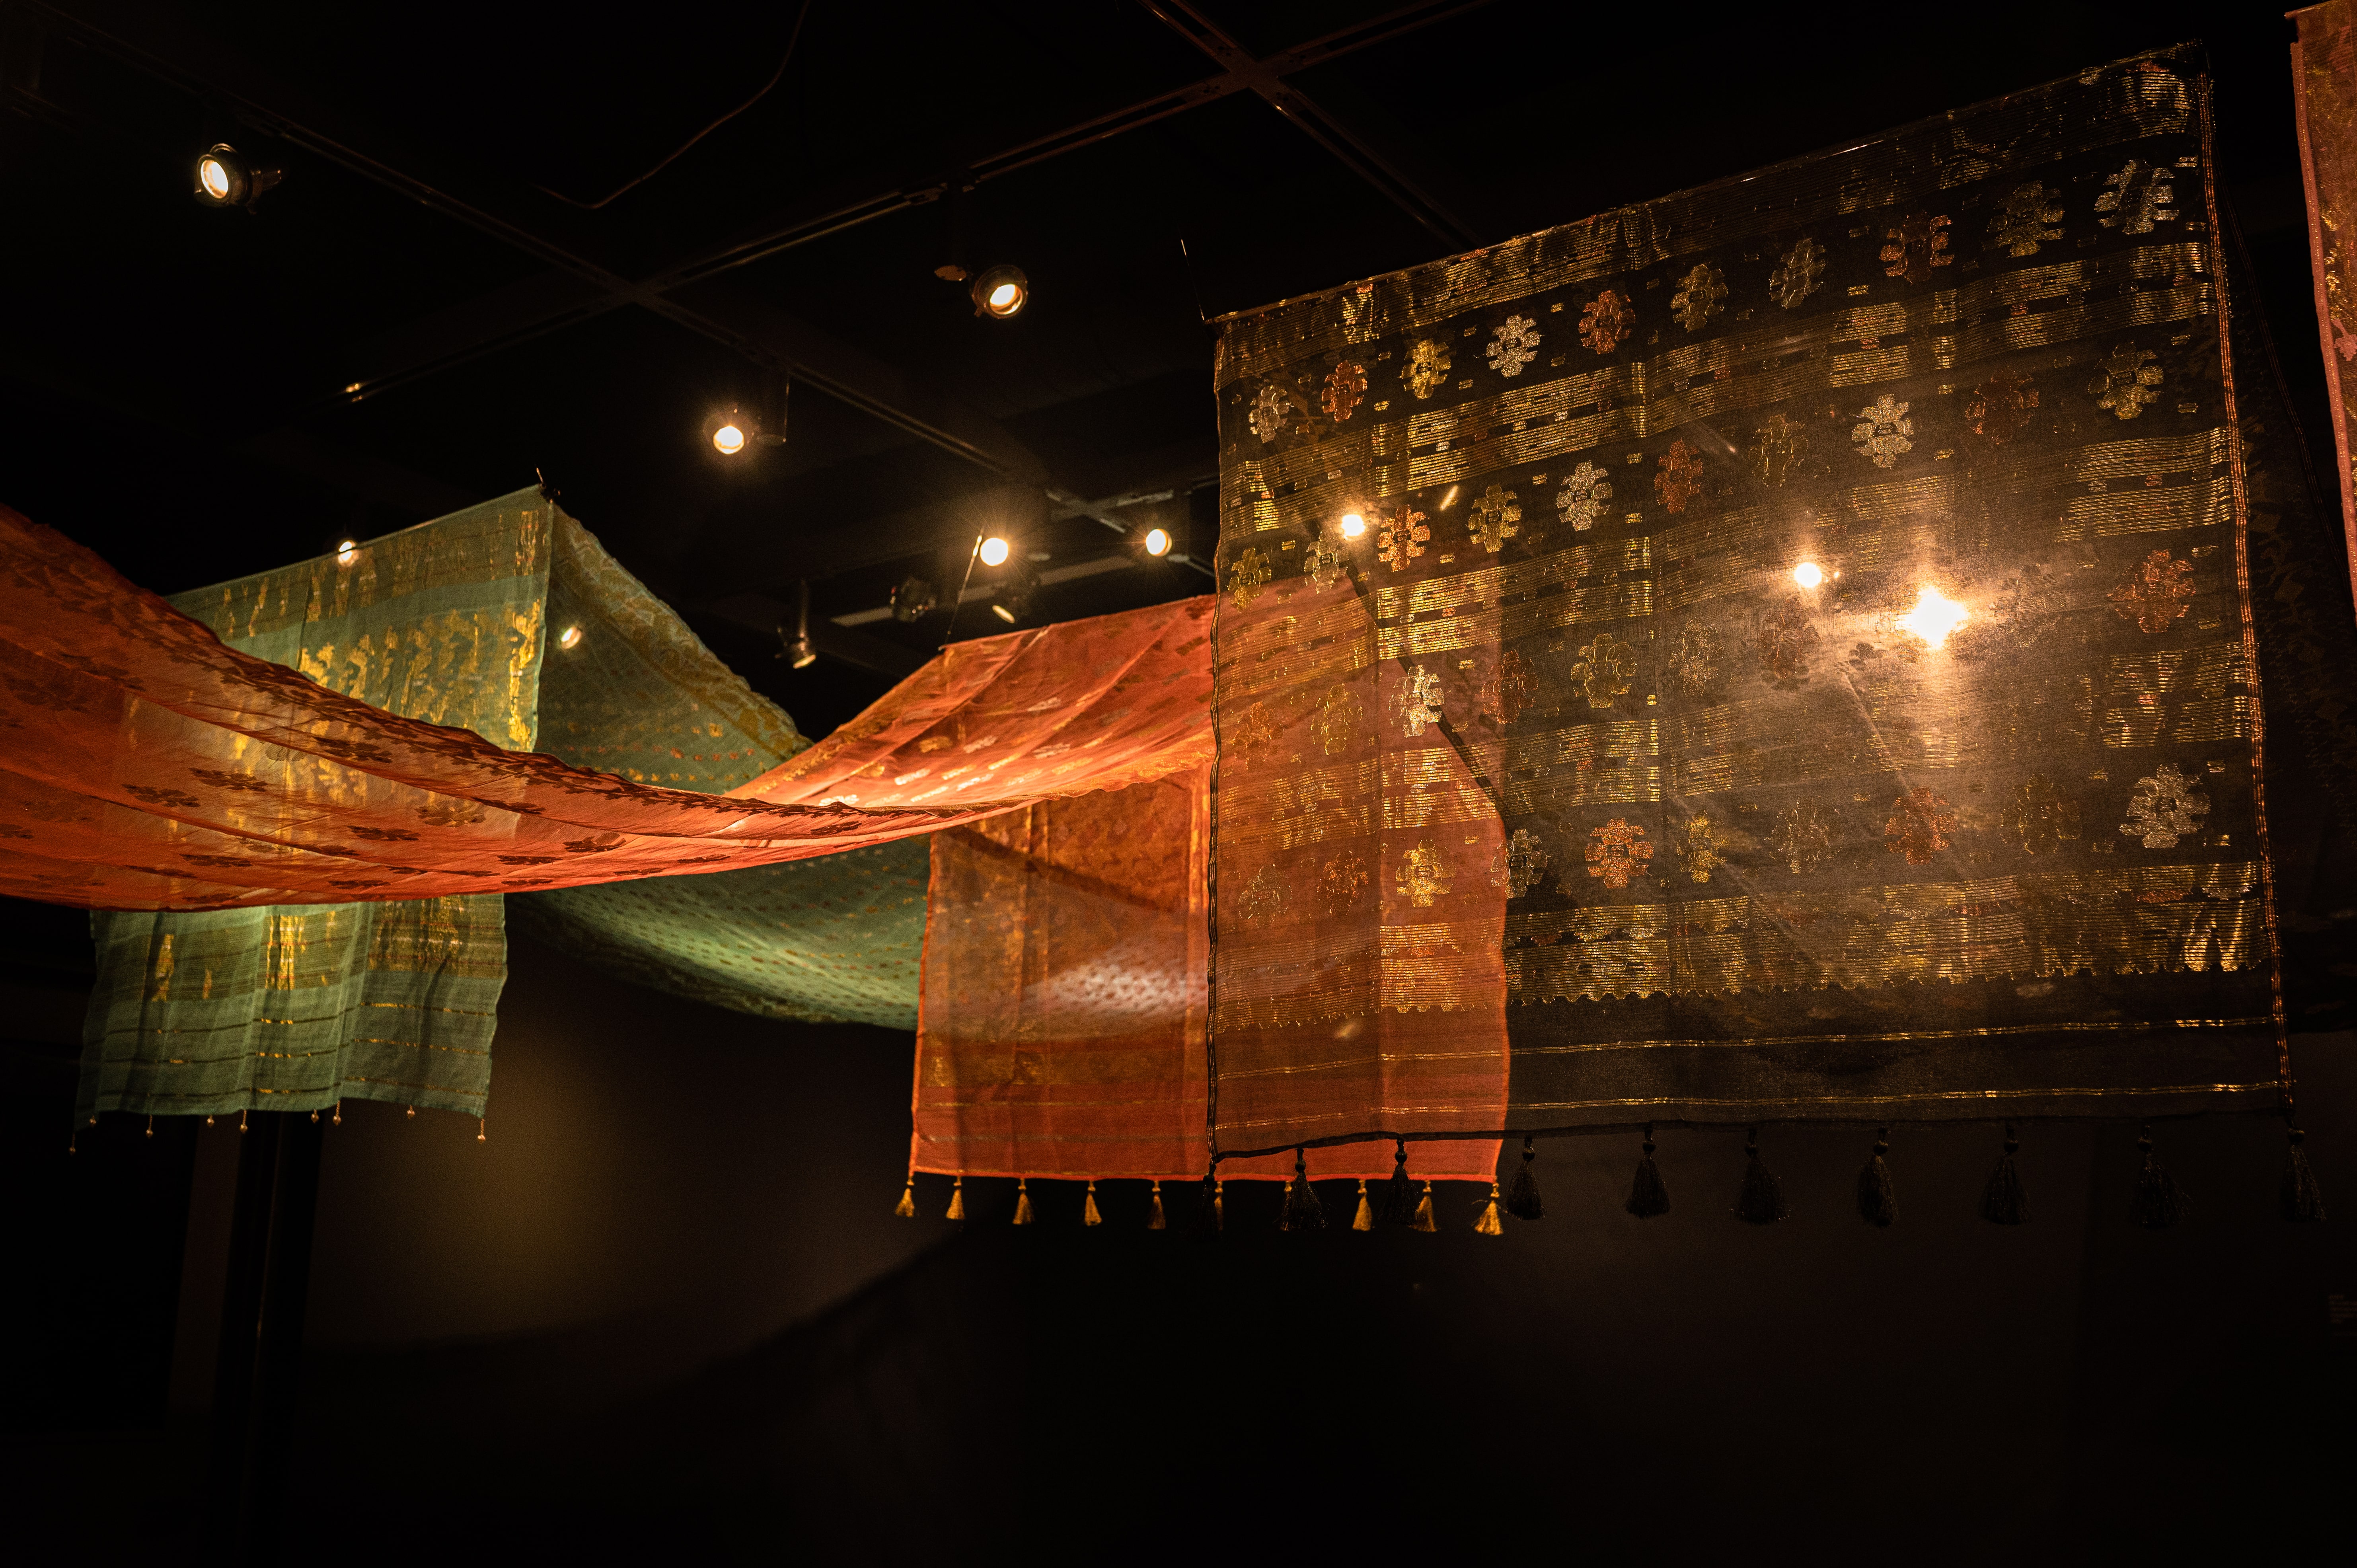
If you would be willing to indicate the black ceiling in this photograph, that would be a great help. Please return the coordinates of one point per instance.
(175, 382)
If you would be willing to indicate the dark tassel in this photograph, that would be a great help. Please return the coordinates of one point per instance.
(1487, 1225)
(1877, 1201)
(1648, 1194)
(1022, 1202)
(907, 1207)
(1760, 1200)
(2159, 1201)
(2303, 1200)
(1302, 1210)
(1089, 1215)
(1399, 1200)
(1424, 1219)
(957, 1199)
(2002, 1201)
(1154, 1219)
(1208, 1213)
(1522, 1202)
(1365, 1219)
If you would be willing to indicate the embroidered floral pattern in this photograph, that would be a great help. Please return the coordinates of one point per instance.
(2128, 382)
(1422, 877)
(1401, 537)
(2139, 196)
(1695, 661)
(1519, 863)
(1426, 368)
(1918, 244)
(2165, 808)
(2040, 817)
(1802, 837)
(1920, 824)
(1700, 855)
(1679, 479)
(1785, 643)
(1346, 387)
(1607, 321)
(1800, 274)
(1342, 883)
(1509, 690)
(1616, 851)
(1494, 519)
(2000, 408)
(2022, 225)
(1254, 731)
(1322, 563)
(1698, 297)
(1585, 494)
(2155, 593)
(1882, 431)
(1605, 669)
(1514, 345)
(1336, 727)
(1777, 449)
(1264, 898)
(1272, 412)
(1419, 703)
(1247, 576)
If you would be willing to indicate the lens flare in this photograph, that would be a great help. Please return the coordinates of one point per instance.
(994, 551)
(1935, 616)
(347, 552)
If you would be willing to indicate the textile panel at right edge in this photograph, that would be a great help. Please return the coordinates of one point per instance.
(1798, 660)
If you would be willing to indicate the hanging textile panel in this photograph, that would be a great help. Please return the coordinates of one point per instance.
(1798, 661)
(2324, 97)
(296, 1006)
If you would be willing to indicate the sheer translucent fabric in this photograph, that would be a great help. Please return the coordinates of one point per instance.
(2324, 98)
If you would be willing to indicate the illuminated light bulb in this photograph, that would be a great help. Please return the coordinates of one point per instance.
(347, 552)
(728, 440)
(1003, 613)
(1807, 574)
(571, 638)
(1935, 616)
(1157, 542)
(1353, 525)
(214, 175)
(1002, 296)
(1001, 292)
(994, 551)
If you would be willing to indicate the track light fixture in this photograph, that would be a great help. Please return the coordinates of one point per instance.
(1016, 590)
(798, 649)
(738, 427)
(914, 599)
(1157, 542)
(1001, 292)
(226, 179)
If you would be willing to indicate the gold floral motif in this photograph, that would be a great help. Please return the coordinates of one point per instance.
(2128, 381)
(1420, 701)
(1427, 367)
(1605, 669)
(1697, 299)
(1519, 863)
(1514, 345)
(1509, 689)
(1254, 731)
(1919, 242)
(2165, 808)
(1607, 320)
(2021, 226)
(1342, 883)
(1422, 877)
(1777, 449)
(1494, 519)
(2000, 408)
(2155, 593)
(1401, 537)
(1247, 576)
(1585, 493)
(1336, 727)
(1264, 898)
(1802, 837)
(1679, 479)
(2139, 198)
(1700, 855)
(1346, 386)
(1322, 563)
(1616, 851)
(1882, 431)
(1921, 822)
(2040, 817)
(1800, 274)
(1785, 643)
(1694, 662)
(1272, 412)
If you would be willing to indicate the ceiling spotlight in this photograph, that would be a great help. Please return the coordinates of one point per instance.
(571, 638)
(1353, 525)
(914, 599)
(1001, 292)
(994, 551)
(1157, 542)
(1013, 600)
(347, 552)
(225, 179)
(798, 650)
(728, 437)
(1807, 574)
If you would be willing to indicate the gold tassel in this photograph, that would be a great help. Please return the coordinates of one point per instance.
(151, 1123)
(1153, 1220)
(1022, 1202)
(1089, 1215)
(1488, 1224)
(1365, 1219)
(482, 1129)
(336, 1120)
(315, 1119)
(907, 1207)
(1218, 1203)
(241, 1121)
(957, 1199)
(1424, 1210)
(413, 1113)
(209, 1120)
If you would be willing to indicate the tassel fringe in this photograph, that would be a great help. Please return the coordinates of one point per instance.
(907, 1207)
(1760, 1200)
(1522, 1202)
(1302, 1210)
(1210, 1215)
(1878, 1201)
(1154, 1219)
(1648, 1194)
(1022, 1202)
(1399, 1201)
(1365, 1219)
(2303, 1200)
(1089, 1215)
(2159, 1201)
(2002, 1202)
(957, 1199)
(1424, 1210)
(1488, 1224)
